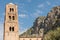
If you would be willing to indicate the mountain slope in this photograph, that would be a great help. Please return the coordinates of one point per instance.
(53, 34)
(34, 31)
(52, 24)
(43, 25)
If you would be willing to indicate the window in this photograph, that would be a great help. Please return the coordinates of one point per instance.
(11, 9)
(12, 28)
(10, 17)
(13, 17)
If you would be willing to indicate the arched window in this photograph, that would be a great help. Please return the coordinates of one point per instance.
(12, 28)
(9, 28)
(10, 17)
(11, 9)
(13, 17)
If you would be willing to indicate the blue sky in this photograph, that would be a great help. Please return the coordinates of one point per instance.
(28, 11)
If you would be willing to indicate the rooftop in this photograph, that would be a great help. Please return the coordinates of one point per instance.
(11, 3)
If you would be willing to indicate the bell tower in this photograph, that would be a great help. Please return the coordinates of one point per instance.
(11, 22)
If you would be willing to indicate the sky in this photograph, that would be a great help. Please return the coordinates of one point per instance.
(28, 11)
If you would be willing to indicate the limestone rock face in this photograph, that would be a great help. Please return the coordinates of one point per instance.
(53, 18)
(36, 30)
(38, 24)
(44, 24)
(52, 24)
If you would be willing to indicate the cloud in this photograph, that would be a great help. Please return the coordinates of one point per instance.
(22, 30)
(48, 3)
(20, 5)
(21, 23)
(29, 0)
(23, 15)
(1, 31)
(23, 11)
(40, 5)
(37, 13)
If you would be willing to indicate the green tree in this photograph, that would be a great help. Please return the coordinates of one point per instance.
(53, 34)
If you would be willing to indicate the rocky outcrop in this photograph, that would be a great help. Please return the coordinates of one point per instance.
(44, 24)
(37, 28)
(53, 19)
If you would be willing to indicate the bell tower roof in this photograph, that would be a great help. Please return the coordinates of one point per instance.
(11, 3)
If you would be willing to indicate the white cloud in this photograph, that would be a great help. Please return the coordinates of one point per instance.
(40, 5)
(21, 23)
(1, 31)
(20, 5)
(3, 13)
(37, 13)
(24, 11)
(29, 0)
(48, 3)
(23, 15)
(22, 30)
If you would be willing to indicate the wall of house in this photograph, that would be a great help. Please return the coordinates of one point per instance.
(30, 38)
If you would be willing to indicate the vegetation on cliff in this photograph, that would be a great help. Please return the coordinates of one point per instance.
(53, 34)
(33, 32)
(48, 26)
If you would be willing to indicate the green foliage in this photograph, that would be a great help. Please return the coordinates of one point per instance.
(53, 34)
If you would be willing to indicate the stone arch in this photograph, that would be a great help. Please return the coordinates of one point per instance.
(9, 28)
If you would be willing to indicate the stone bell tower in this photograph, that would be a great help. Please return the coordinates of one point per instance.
(11, 22)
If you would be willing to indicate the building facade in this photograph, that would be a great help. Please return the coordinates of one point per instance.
(11, 24)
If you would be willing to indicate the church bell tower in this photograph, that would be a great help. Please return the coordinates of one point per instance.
(11, 22)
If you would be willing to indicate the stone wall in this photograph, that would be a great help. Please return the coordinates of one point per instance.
(30, 38)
